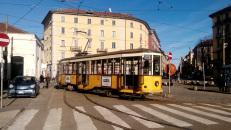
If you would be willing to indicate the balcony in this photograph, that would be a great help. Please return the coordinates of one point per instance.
(75, 48)
(101, 50)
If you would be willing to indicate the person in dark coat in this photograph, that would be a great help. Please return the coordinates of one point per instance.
(41, 78)
(47, 81)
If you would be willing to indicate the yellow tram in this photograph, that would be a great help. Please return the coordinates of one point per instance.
(129, 72)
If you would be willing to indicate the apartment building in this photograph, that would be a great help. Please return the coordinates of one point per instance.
(222, 37)
(71, 31)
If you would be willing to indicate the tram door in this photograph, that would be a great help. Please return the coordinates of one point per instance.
(131, 73)
(85, 73)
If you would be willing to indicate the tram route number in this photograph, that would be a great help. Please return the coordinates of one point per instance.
(106, 81)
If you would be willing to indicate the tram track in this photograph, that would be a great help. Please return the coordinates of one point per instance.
(92, 116)
(115, 110)
(128, 114)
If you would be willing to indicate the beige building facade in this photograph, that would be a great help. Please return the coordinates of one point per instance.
(69, 31)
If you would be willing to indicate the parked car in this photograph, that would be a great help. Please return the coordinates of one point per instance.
(23, 86)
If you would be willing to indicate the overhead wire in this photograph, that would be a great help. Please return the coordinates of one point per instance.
(29, 11)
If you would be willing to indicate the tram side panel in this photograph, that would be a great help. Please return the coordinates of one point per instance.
(151, 84)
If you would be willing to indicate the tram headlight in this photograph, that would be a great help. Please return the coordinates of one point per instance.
(157, 83)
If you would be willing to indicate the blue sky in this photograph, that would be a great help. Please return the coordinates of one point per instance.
(180, 24)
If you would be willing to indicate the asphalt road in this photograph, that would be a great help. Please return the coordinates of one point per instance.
(183, 109)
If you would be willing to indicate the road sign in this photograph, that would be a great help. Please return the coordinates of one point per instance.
(4, 40)
(172, 69)
(170, 56)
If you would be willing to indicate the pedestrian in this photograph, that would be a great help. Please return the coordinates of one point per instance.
(47, 81)
(41, 78)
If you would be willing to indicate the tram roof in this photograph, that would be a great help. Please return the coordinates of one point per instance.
(130, 51)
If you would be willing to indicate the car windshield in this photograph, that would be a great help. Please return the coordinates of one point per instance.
(24, 80)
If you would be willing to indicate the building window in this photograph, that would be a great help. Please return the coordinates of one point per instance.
(63, 30)
(140, 27)
(140, 37)
(113, 22)
(131, 34)
(102, 22)
(89, 32)
(62, 55)
(62, 19)
(131, 25)
(88, 21)
(75, 31)
(131, 45)
(113, 45)
(102, 33)
(75, 20)
(102, 45)
(113, 34)
(75, 42)
(62, 43)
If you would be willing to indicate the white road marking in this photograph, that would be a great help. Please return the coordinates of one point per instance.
(83, 122)
(108, 115)
(148, 124)
(189, 104)
(53, 121)
(213, 110)
(217, 106)
(23, 120)
(186, 115)
(227, 119)
(163, 116)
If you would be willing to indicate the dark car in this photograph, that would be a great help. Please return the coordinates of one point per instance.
(23, 86)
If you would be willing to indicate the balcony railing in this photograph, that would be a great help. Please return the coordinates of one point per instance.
(100, 50)
(75, 48)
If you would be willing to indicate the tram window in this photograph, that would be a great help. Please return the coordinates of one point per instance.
(70, 68)
(147, 65)
(65, 69)
(156, 65)
(80, 68)
(99, 67)
(109, 67)
(74, 68)
(117, 68)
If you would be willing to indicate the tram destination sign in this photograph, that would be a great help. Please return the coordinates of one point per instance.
(4, 40)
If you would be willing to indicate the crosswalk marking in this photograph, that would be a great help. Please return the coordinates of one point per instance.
(163, 116)
(192, 117)
(213, 110)
(148, 124)
(227, 119)
(53, 121)
(83, 122)
(23, 120)
(217, 106)
(189, 104)
(108, 115)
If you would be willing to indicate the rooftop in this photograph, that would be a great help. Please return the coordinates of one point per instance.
(10, 29)
(226, 9)
(94, 14)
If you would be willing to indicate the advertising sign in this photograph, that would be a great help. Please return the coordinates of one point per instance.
(106, 81)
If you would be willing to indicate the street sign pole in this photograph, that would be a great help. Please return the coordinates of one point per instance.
(169, 78)
(4, 41)
(1, 77)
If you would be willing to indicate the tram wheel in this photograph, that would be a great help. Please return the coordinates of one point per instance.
(108, 93)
